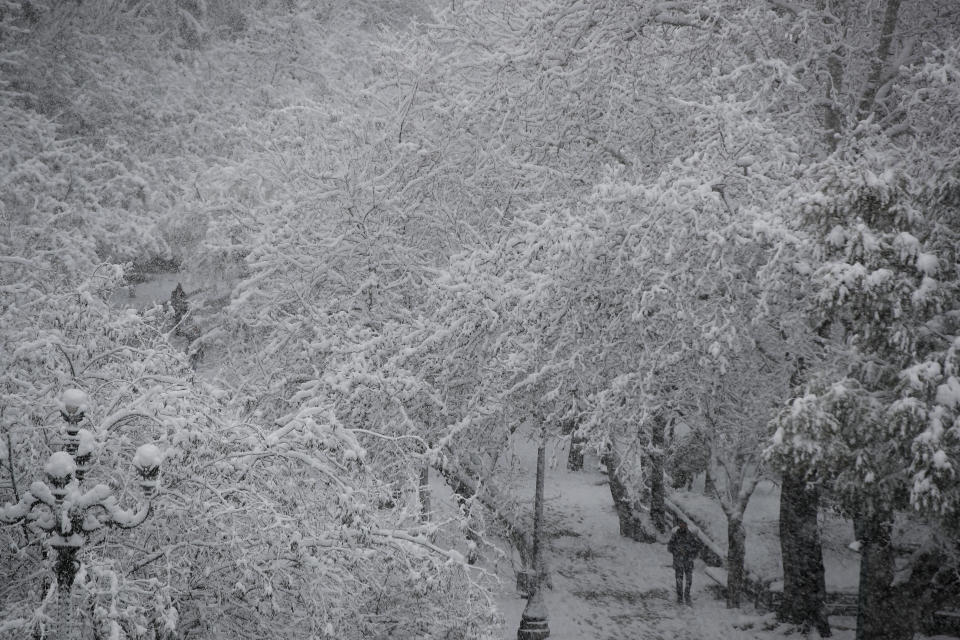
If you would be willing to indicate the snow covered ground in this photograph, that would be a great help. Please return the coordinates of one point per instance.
(156, 288)
(841, 564)
(607, 587)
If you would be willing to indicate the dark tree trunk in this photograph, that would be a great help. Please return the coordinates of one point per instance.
(423, 491)
(736, 547)
(657, 509)
(804, 587)
(933, 584)
(630, 524)
(880, 58)
(833, 116)
(178, 301)
(708, 488)
(878, 616)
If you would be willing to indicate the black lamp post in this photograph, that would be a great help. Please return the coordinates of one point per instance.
(68, 514)
(533, 622)
(65, 512)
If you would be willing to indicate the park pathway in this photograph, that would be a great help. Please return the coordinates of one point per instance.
(605, 586)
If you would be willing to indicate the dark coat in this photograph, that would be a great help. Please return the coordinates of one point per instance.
(685, 546)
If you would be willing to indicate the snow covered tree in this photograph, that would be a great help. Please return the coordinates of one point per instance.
(645, 298)
(853, 54)
(276, 516)
(721, 152)
(885, 209)
(278, 526)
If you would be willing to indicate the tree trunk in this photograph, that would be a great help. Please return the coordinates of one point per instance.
(804, 587)
(575, 456)
(657, 509)
(880, 58)
(736, 547)
(708, 488)
(878, 616)
(833, 117)
(423, 492)
(933, 584)
(630, 524)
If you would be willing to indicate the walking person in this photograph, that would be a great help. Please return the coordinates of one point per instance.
(685, 546)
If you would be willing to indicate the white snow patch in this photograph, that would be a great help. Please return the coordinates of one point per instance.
(927, 287)
(74, 400)
(919, 374)
(837, 237)
(906, 244)
(60, 465)
(871, 243)
(778, 437)
(879, 277)
(948, 393)
(87, 442)
(147, 456)
(940, 460)
(927, 264)
(934, 428)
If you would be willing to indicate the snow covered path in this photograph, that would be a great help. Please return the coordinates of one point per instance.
(604, 585)
(607, 587)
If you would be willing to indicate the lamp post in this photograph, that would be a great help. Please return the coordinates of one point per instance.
(533, 621)
(66, 513)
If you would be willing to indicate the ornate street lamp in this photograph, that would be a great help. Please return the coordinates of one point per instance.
(66, 513)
